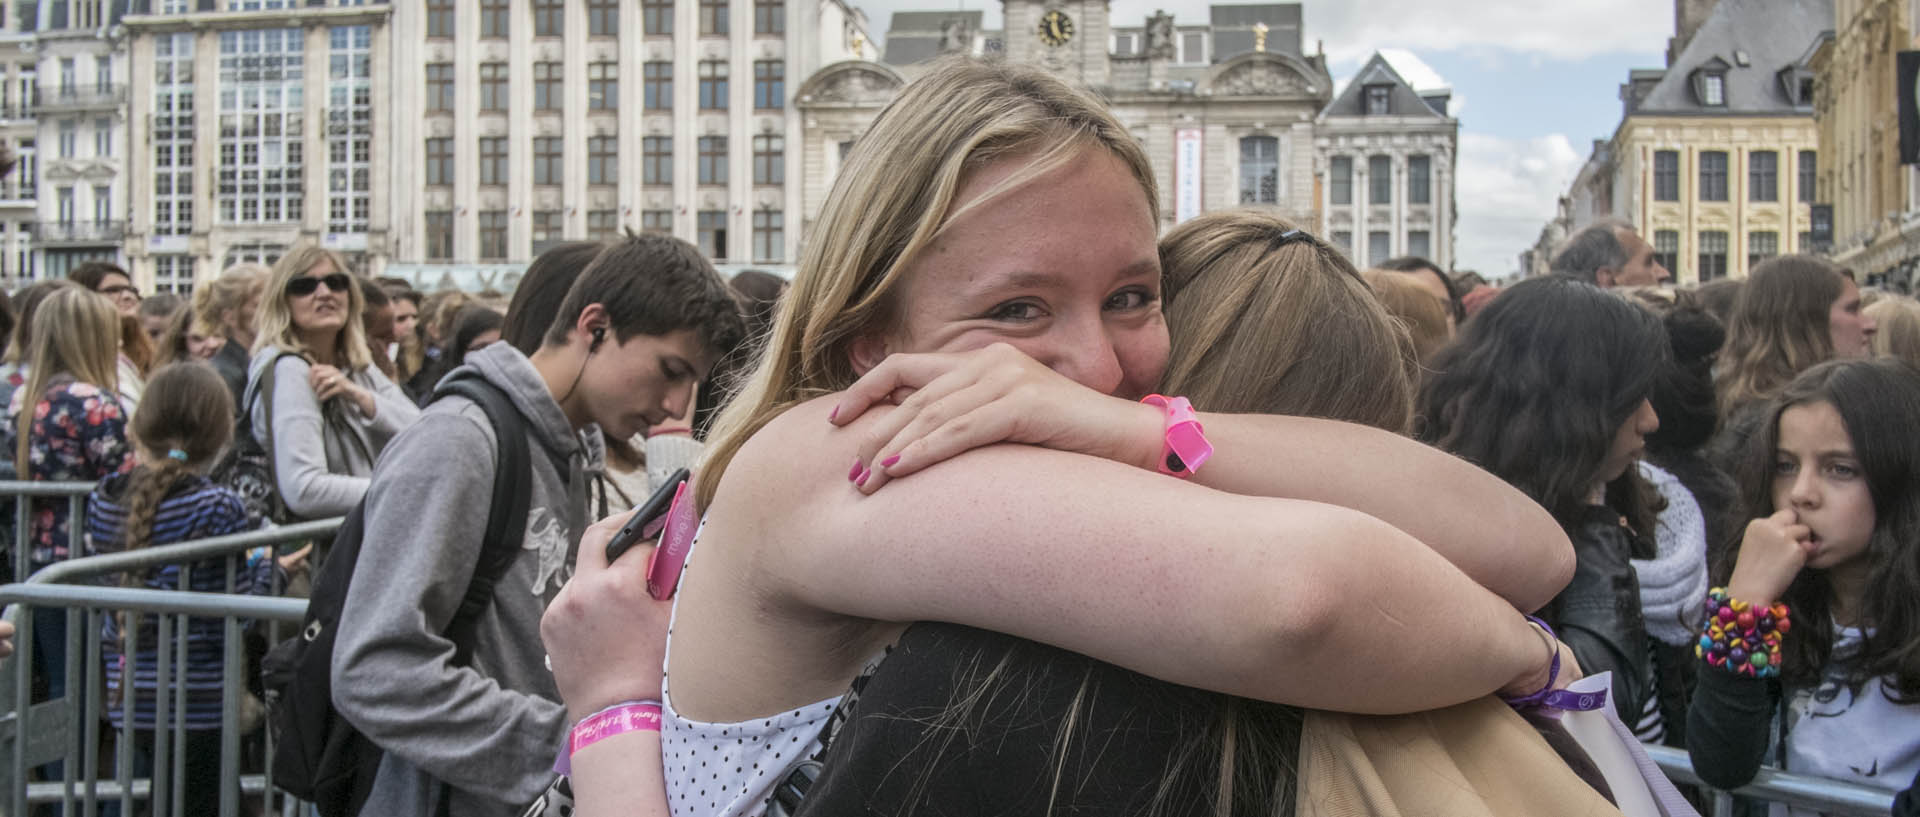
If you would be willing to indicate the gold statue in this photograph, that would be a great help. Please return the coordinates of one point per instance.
(859, 45)
(1259, 36)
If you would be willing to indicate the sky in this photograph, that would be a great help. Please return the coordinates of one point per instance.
(1534, 83)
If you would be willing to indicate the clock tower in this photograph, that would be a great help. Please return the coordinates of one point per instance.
(1068, 37)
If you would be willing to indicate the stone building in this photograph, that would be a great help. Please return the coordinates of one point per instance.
(450, 141)
(79, 108)
(1225, 107)
(19, 133)
(1875, 199)
(1386, 163)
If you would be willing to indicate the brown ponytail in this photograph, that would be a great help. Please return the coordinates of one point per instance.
(184, 421)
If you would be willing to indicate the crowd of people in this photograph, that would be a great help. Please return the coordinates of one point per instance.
(1010, 503)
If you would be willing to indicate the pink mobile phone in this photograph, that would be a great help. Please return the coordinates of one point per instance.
(676, 539)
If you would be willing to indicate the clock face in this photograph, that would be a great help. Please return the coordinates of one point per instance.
(1056, 28)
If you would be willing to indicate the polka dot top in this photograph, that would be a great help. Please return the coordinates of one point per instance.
(729, 769)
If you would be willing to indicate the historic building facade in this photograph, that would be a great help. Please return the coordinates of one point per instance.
(79, 107)
(1875, 199)
(1385, 152)
(1225, 108)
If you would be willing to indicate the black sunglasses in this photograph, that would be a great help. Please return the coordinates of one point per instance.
(306, 284)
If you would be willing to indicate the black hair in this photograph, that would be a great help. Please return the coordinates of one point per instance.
(759, 295)
(652, 285)
(90, 274)
(374, 296)
(1538, 383)
(1683, 395)
(1879, 401)
(1414, 263)
(470, 323)
(537, 298)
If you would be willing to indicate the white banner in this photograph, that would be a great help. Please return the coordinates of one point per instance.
(1186, 174)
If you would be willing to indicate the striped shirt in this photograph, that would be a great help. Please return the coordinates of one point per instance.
(195, 508)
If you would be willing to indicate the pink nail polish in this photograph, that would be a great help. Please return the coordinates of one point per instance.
(857, 468)
(862, 481)
(888, 462)
(835, 414)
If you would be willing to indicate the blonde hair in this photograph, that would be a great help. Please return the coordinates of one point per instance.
(893, 197)
(276, 329)
(1778, 328)
(230, 292)
(1267, 319)
(1899, 332)
(76, 332)
(1421, 313)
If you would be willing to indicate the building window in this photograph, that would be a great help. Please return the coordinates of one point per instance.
(713, 160)
(548, 167)
(1666, 249)
(439, 235)
(549, 18)
(1379, 180)
(656, 221)
(549, 86)
(549, 226)
(493, 86)
(69, 138)
(439, 86)
(440, 18)
(63, 205)
(103, 74)
(349, 129)
(1420, 183)
(252, 253)
(173, 272)
(493, 18)
(1713, 90)
(1761, 246)
(657, 84)
(1343, 239)
(769, 236)
(1340, 185)
(603, 18)
(440, 161)
(603, 160)
(769, 84)
(1809, 168)
(1666, 176)
(603, 86)
(260, 176)
(493, 160)
(769, 16)
(171, 134)
(493, 235)
(603, 225)
(713, 233)
(1379, 247)
(1420, 243)
(102, 204)
(1193, 47)
(656, 160)
(69, 78)
(1713, 175)
(103, 137)
(1377, 99)
(713, 85)
(769, 160)
(1763, 176)
(1713, 255)
(656, 16)
(713, 18)
(1259, 170)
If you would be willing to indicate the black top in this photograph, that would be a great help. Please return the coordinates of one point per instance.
(915, 747)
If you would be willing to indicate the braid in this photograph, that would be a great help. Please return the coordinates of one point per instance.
(149, 486)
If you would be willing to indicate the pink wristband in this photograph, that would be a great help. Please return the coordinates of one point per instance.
(619, 719)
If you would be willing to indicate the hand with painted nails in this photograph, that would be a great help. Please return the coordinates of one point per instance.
(952, 403)
(1772, 552)
(606, 639)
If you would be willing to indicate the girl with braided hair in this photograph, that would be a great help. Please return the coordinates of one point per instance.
(184, 422)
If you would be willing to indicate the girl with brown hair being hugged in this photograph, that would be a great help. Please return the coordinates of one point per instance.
(184, 422)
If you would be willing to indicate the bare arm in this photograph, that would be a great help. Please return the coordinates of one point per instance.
(1282, 600)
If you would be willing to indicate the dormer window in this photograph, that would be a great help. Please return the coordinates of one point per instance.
(1710, 83)
(1377, 96)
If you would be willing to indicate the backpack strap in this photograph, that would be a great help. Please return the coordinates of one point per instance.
(507, 514)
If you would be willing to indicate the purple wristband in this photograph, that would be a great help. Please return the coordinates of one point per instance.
(1550, 698)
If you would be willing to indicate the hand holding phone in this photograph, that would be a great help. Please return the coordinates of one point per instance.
(647, 521)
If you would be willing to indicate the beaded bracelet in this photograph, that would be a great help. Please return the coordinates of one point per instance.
(1741, 639)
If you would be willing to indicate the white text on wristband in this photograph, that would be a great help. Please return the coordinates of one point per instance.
(614, 720)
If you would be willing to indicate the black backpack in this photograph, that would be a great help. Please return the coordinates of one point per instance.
(318, 755)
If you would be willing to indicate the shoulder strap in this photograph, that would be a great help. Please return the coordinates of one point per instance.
(507, 513)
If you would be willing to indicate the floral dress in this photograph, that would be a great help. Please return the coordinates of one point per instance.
(78, 433)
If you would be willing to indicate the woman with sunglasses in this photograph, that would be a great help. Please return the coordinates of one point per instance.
(315, 400)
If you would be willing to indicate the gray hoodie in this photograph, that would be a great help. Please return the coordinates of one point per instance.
(491, 729)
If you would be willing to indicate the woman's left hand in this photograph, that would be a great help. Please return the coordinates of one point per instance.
(329, 382)
(952, 403)
(606, 638)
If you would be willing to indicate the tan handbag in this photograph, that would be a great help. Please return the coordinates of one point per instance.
(1477, 759)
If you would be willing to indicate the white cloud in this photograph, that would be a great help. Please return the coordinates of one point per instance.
(1352, 29)
(1507, 189)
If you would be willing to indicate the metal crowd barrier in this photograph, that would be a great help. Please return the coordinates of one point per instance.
(23, 494)
(67, 729)
(1832, 797)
